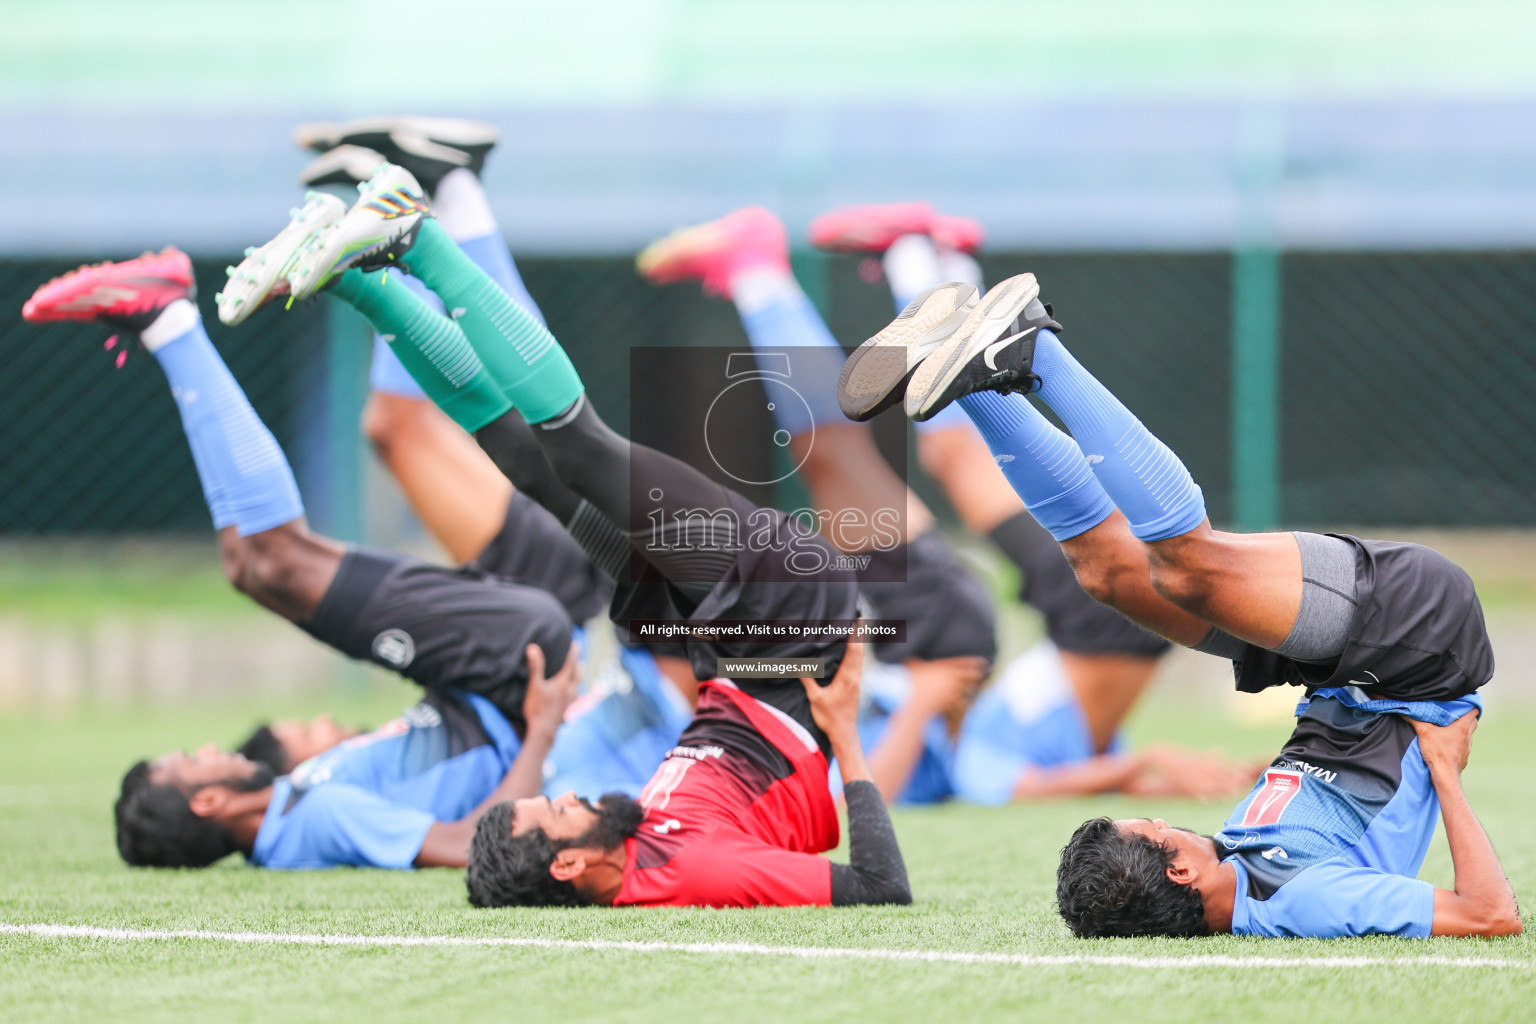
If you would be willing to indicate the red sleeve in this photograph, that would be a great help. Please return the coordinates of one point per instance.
(732, 869)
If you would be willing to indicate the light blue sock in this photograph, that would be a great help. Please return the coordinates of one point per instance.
(1045, 466)
(780, 319)
(246, 479)
(1143, 476)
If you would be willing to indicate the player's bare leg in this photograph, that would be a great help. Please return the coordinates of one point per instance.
(458, 493)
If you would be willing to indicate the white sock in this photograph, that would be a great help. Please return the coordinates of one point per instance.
(911, 266)
(955, 265)
(761, 287)
(174, 320)
(462, 207)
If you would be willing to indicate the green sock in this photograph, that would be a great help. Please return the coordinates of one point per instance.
(524, 358)
(431, 346)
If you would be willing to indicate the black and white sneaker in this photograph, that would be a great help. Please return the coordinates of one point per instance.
(991, 351)
(428, 147)
(344, 165)
(875, 375)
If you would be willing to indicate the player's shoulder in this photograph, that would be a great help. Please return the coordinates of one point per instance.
(1334, 898)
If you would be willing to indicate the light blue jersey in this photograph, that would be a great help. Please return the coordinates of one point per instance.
(370, 800)
(1029, 718)
(1329, 840)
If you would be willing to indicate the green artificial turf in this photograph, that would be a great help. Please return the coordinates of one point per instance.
(983, 881)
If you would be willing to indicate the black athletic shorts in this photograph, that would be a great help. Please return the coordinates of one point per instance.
(533, 549)
(1417, 634)
(442, 628)
(947, 610)
(756, 587)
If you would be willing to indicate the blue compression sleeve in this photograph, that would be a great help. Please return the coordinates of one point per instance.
(1045, 466)
(1143, 476)
(246, 479)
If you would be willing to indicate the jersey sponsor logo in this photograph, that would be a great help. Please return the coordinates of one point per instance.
(670, 825)
(422, 716)
(1310, 769)
(1280, 788)
(697, 753)
(1275, 851)
(394, 647)
(1002, 459)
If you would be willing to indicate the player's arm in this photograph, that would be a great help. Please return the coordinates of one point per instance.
(1482, 902)
(447, 842)
(936, 686)
(1160, 770)
(1106, 773)
(876, 872)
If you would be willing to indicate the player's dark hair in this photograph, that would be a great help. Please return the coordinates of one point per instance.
(1110, 883)
(157, 828)
(513, 871)
(263, 747)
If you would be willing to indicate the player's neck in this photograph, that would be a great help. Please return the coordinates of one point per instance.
(602, 880)
(243, 816)
(1219, 897)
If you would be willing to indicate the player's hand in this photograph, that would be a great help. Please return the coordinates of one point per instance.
(1447, 747)
(544, 706)
(835, 707)
(1168, 770)
(945, 684)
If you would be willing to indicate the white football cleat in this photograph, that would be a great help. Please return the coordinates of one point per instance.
(263, 274)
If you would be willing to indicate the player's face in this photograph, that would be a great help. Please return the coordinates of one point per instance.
(1190, 847)
(303, 740)
(567, 816)
(206, 766)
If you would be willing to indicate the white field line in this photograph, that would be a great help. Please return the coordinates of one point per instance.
(64, 931)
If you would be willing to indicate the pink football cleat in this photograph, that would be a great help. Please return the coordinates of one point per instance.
(871, 227)
(714, 252)
(127, 295)
(959, 233)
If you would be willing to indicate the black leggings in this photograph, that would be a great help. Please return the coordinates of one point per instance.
(577, 460)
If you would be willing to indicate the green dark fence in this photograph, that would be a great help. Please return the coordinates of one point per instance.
(1374, 388)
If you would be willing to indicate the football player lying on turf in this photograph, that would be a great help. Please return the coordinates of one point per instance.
(1387, 638)
(755, 785)
(411, 791)
(1050, 725)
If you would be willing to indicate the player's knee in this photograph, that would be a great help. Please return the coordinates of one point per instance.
(232, 558)
(1106, 580)
(382, 419)
(268, 564)
(1188, 586)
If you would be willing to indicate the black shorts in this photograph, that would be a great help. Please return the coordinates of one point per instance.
(947, 610)
(1417, 634)
(757, 586)
(533, 549)
(463, 629)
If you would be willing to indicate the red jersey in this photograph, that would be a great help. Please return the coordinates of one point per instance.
(736, 814)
